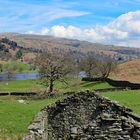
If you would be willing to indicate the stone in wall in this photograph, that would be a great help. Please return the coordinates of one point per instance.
(85, 116)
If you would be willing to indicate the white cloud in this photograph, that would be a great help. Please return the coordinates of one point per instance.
(129, 22)
(61, 31)
(61, 13)
(124, 30)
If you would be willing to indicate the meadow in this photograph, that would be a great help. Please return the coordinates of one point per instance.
(15, 117)
(74, 84)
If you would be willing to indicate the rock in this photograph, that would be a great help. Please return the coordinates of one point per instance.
(21, 101)
(85, 116)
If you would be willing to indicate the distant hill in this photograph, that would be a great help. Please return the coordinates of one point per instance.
(38, 42)
(10, 50)
(129, 71)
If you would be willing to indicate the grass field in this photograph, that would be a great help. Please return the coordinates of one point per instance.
(130, 99)
(15, 117)
(20, 85)
(72, 85)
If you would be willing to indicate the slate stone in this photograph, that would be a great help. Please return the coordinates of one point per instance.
(85, 116)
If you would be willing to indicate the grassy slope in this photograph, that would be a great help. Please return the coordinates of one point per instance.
(129, 71)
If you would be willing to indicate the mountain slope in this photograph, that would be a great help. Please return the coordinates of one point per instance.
(62, 44)
(129, 71)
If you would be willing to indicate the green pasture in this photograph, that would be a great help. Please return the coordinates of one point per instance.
(74, 84)
(15, 117)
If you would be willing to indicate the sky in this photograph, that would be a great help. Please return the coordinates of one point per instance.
(114, 22)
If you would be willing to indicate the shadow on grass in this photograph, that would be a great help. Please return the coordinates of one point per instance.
(91, 84)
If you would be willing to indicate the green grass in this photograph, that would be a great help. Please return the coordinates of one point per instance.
(15, 117)
(74, 84)
(77, 85)
(16, 66)
(20, 86)
(130, 99)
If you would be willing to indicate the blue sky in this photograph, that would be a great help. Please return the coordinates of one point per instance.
(24, 15)
(35, 15)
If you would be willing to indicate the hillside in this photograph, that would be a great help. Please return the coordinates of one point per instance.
(10, 50)
(52, 43)
(129, 71)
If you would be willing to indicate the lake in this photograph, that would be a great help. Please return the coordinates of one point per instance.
(25, 76)
(18, 76)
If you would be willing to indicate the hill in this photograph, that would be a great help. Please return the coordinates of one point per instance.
(39, 42)
(129, 71)
(10, 50)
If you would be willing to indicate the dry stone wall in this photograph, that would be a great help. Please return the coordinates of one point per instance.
(85, 116)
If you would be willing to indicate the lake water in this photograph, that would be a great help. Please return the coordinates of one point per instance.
(19, 76)
(25, 76)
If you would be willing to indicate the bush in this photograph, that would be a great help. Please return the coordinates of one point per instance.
(19, 54)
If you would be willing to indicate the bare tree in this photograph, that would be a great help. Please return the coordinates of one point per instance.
(105, 68)
(97, 68)
(52, 67)
(1, 68)
(89, 65)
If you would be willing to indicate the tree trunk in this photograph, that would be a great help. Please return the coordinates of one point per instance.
(51, 86)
